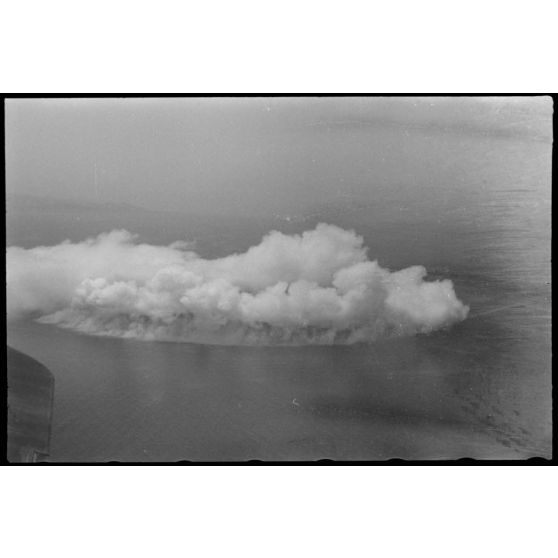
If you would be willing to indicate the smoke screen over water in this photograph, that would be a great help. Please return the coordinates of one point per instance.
(459, 187)
(319, 287)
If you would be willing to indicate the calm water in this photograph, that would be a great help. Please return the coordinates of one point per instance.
(472, 209)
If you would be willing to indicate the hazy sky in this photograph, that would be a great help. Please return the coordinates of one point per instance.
(238, 155)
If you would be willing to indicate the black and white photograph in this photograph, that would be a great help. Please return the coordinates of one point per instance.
(278, 279)
(302, 278)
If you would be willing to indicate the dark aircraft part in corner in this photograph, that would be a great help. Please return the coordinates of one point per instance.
(30, 399)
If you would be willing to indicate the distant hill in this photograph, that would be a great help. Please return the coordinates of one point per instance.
(34, 221)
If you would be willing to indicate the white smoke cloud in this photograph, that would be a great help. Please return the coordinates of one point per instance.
(318, 287)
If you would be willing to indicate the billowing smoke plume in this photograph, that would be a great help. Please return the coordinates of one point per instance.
(318, 287)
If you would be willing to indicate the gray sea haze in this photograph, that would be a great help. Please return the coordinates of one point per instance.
(471, 207)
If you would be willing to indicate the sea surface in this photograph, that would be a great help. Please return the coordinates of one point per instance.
(473, 208)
